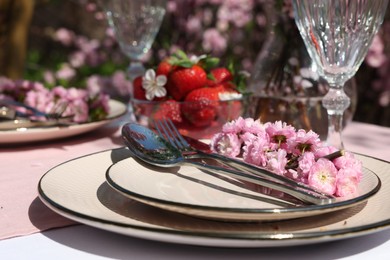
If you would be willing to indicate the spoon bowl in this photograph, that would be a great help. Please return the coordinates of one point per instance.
(150, 147)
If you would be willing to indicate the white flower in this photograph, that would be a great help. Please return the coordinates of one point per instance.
(154, 86)
(224, 96)
(195, 59)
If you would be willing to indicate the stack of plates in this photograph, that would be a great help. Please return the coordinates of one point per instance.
(112, 191)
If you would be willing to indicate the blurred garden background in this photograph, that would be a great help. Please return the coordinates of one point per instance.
(69, 43)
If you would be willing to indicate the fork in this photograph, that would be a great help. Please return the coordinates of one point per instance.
(13, 119)
(168, 130)
(7, 112)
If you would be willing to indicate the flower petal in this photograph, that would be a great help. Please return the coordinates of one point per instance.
(161, 80)
(160, 92)
(149, 95)
(150, 75)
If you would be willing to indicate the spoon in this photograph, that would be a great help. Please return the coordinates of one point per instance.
(151, 148)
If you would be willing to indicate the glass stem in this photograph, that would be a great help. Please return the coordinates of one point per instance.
(335, 102)
(135, 69)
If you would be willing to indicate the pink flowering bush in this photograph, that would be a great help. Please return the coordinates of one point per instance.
(296, 154)
(74, 48)
(80, 105)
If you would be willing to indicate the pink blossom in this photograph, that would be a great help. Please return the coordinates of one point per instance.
(277, 161)
(279, 133)
(305, 162)
(323, 176)
(300, 155)
(194, 25)
(79, 109)
(95, 84)
(237, 12)
(254, 151)
(66, 72)
(171, 6)
(376, 56)
(324, 151)
(248, 138)
(226, 144)
(76, 94)
(347, 182)
(59, 92)
(348, 162)
(87, 45)
(253, 126)
(77, 59)
(384, 98)
(213, 41)
(64, 36)
(6, 84)
(304, 142)
(49, 77)
(90, 7)
(121, 83)
(234, 126)
(79, 101)
(38, 99)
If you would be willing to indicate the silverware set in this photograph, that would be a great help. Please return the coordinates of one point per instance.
(12, 117)
(168, 148)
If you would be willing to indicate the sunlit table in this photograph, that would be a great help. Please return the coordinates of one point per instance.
(84, 242)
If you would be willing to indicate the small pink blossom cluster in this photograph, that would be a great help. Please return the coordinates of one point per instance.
(81, 105)
(296, 154)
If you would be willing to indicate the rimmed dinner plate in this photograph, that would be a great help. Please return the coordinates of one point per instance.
(191, 191)
(24, 135)
(77, 190)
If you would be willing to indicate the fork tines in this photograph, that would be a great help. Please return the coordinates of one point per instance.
(167, 129)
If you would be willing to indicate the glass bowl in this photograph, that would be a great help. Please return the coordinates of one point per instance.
(199, 120)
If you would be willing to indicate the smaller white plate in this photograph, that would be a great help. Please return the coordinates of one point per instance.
(191, 191)
(24, 135)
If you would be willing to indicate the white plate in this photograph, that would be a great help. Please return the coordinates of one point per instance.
(191, 191)
(24, 135)
(77, 189)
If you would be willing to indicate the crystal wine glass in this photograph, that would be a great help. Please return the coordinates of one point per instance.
(136, 24)
(337, 35)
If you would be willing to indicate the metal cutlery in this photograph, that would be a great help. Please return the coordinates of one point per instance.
(157, 150)
(12, 118)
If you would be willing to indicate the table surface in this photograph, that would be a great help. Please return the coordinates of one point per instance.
(84, 242)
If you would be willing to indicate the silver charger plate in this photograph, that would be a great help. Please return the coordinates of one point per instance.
(77, 190)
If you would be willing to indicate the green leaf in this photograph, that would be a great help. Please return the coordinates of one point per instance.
(210, 76)
(210, 62)
(181, 55)
(231, 67)
(183, 63)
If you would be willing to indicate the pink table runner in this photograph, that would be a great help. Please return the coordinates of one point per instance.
(21, 211)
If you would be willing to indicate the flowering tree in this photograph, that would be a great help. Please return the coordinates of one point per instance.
(83, 51)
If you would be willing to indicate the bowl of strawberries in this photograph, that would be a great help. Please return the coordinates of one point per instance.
(196, 94)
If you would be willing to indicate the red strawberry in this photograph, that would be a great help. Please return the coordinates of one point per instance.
(200, 107)
(169, 109)
(219, 75)
(165, 68)
(138, 90)
(183, 80)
